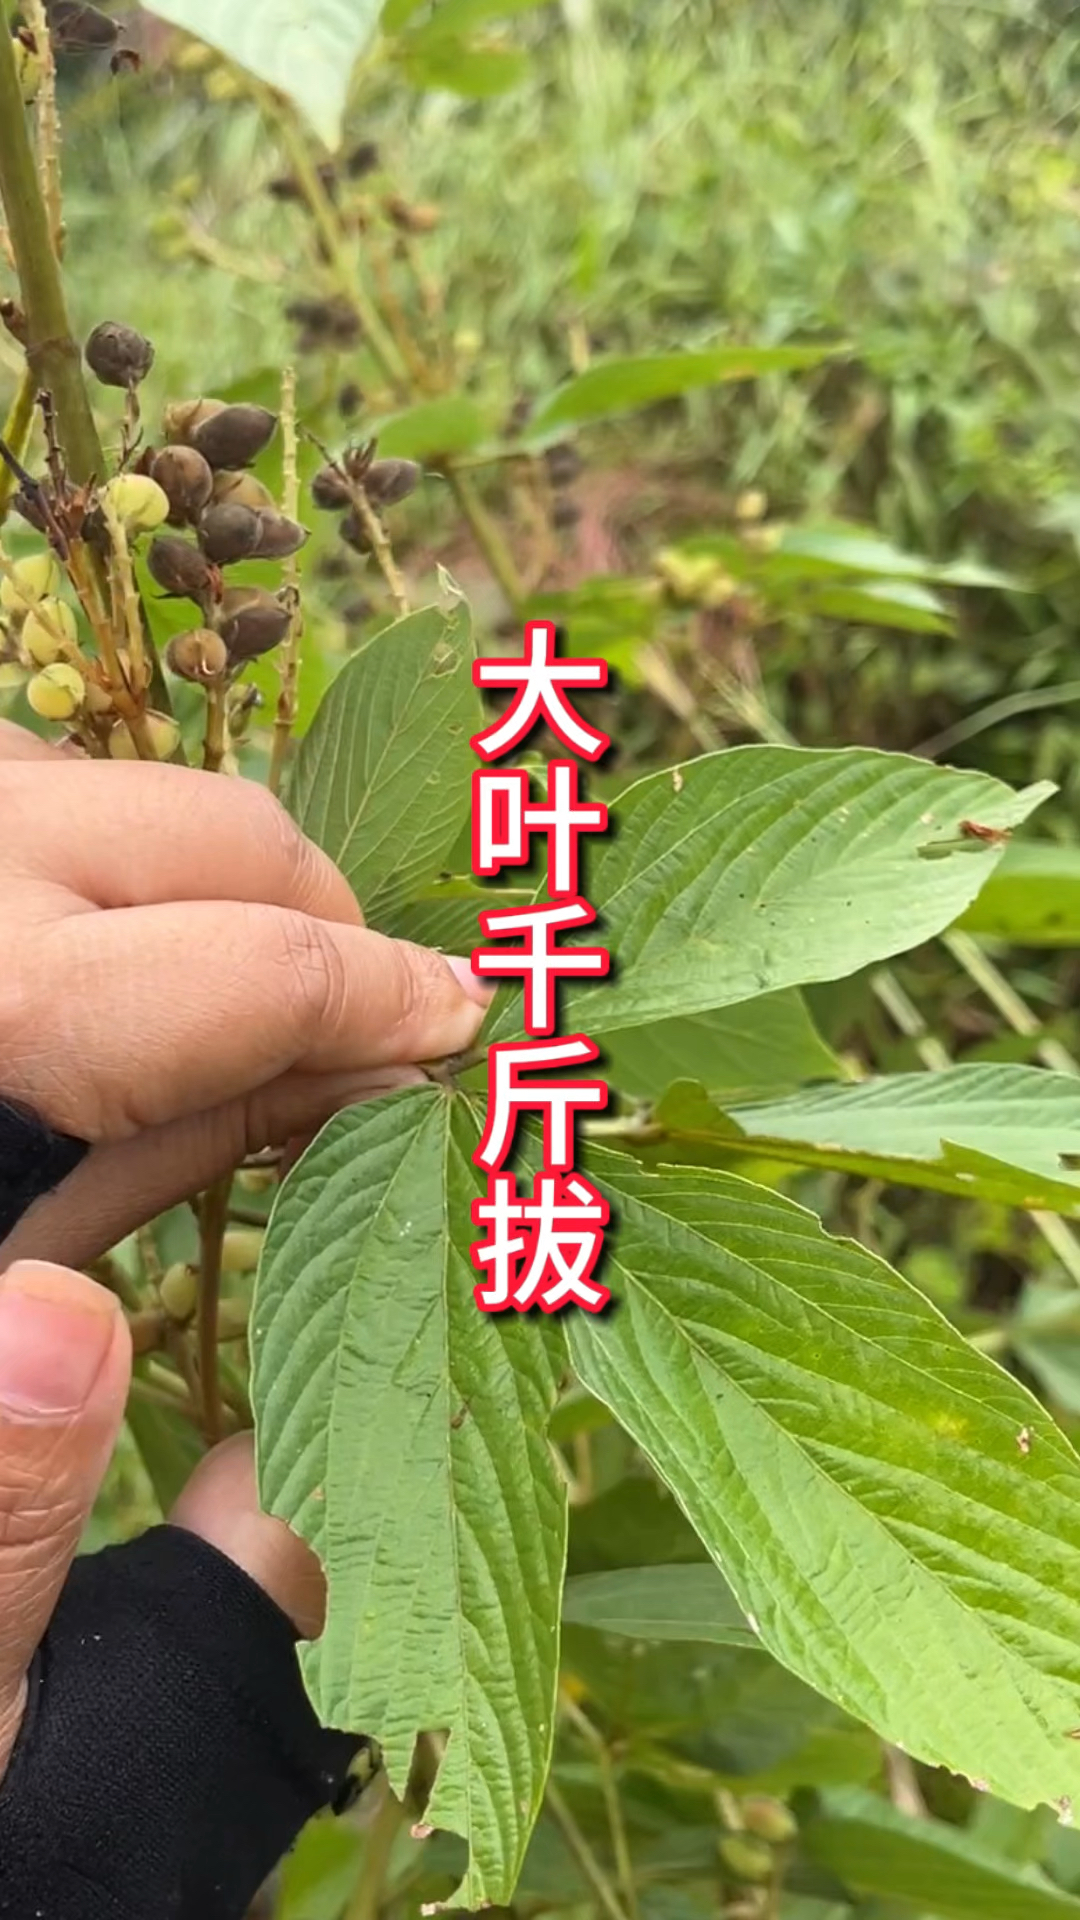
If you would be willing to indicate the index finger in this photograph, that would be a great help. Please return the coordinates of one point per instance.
(137, 834)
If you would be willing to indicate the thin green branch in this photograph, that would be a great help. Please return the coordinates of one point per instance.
(52, 354)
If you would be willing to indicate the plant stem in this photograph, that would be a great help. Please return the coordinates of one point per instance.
(583, 1853)
(52, 355)
(289, 660)
(381, 548)
(48, 122)
(620, 1844)
(331, 233)
(216, 738)
(213, 1217)
(487, 534)
(380, 1840)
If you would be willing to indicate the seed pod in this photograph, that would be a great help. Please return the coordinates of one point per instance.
(278, 536)
(180, 568)
(138, 501)
(565, 512)
(98, 698)
(29, 581)
(46, 629)
(181, 418)
(29, 67)
(330, 490)
(241, 1249)
(746, 1858)
(79, 28)
(228, 533)
(57, 692)
(355, 534)
(118, 355)
(200, 655)
(186, 480)
(388, 481)
(162, 729)
(563, 464)
(178, 1291)
(769, 1819)
(235, 436)
(421, 218)
(242, 490)
(253, 621)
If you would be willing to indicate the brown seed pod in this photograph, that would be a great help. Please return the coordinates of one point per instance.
(235, 436)
(77, 28)
(563, 463)
(181, 418)
(180, 568)
(118, 355)
(200, 655)
(186, 480)
(228, 533)
(388, 481)
(355, 534)
(330, 490)
(409, 218)
(253, 621)
(278, 536)
(242, 490)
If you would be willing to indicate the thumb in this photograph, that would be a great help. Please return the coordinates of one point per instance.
(65, 1363)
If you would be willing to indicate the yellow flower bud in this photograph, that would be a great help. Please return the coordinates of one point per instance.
(48, 631)
(164, 738)
(179, 1292)
(30, 580)
(57, 692)
(240, 1249)
(138, 502)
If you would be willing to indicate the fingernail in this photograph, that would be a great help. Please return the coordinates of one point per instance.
(56, 1329)
(468, 981)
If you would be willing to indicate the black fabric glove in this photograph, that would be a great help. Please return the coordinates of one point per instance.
(33, 1160)
(169, 1755)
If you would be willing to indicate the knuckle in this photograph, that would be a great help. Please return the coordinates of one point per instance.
(287, 849)
(419, 988)
(317, 983)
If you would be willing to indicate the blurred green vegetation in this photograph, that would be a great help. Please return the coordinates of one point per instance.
(900, 181)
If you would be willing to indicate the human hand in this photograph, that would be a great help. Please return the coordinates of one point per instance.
(168, 1756)
(186, 979)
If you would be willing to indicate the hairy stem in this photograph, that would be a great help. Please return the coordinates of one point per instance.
(213, 1217)
(52, 355)
(488, 535)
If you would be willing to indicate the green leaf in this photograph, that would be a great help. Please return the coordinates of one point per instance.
(766, 1045)
(659, 1603)
(1033, 899)
(458, 66)
(883, 603)
(382, 781)
(898, 1518)
(464, 16)
(446, 914)
(621, 385)
(169, 1447)
(320, 1874)
(843, 547)
(453, 425)
(988, 1132)
(766, 867)
(403, 1434)
(306, 49)
(875, 1849)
